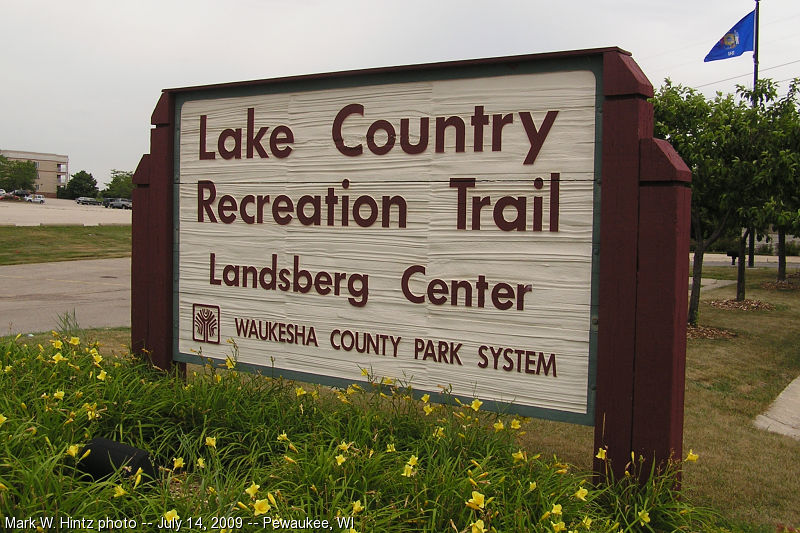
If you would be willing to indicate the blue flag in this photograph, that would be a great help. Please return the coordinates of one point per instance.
(738, 40)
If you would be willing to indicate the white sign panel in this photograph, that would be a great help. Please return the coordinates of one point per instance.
(436, 232)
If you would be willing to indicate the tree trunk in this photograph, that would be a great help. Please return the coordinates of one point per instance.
(697, 273)
(781, 254)
(740, 274)
(751, 251)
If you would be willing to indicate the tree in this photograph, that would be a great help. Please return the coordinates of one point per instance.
(778, 166)
(17, 175)
(81, 184)
(708, 135)
(121, 185)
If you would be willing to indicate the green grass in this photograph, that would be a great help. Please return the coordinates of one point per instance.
(374, 454)
(45, 244)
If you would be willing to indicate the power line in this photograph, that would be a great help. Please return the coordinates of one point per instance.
(749, 73)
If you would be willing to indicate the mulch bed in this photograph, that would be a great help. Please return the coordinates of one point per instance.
(744, 305)
(707, 332)
(792, 283)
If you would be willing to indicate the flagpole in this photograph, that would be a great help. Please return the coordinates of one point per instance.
(752, 243)
(755, 52)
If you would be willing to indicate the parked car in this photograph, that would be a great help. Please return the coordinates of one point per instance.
(85, 200)
(107, 201)
(121, 203)
(35, 198)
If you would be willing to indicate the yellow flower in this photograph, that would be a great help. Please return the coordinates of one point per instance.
(97, 359)
(428, 409)
(408, 471)
(3, 487)
(7, 369)
(2, 420)
(357, 507)
(170, 515)
(283, 437)
(364, 372)
(217, 378)
(138, 478)
(438, 432)
(518, 456)
(241, 506)
(57, 344)
(344, 446)
(119, 491)
(177, 463)
(476, 404)
(390, 448)
(293, 447)
(581, 494)
(340, 459)
(289, 460)
(692, 456)
(72, 451)
(252, 490)
(556, 509)
(211, 442)
(644, 517)
(601, 453)
(531, 486)
(499, 426)
(425, 398)
(201, 463)
(261, 507)
(74, 341)
(102, 375)
(558, 526)
(413, 460)
(299, 391)
(57, 358)
(229, 363)
(58, 395)
(91, 411)
(387, 381)
(478, 527)
(271, 498)
(477, 501)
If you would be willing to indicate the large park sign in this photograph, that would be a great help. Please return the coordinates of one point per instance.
(505, 228)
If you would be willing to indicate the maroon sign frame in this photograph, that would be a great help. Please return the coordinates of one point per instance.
(644, 245)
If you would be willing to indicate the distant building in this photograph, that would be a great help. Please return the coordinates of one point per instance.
(52, 170)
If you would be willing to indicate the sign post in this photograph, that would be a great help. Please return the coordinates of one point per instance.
(503, 228)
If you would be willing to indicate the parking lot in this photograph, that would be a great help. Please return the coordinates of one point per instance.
(57, 211)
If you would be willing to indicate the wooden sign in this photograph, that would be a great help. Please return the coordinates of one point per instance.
(472, 226)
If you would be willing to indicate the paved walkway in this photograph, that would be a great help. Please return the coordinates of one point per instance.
(783, 416)
(34, 296)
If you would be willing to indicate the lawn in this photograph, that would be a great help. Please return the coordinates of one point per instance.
(44, 244)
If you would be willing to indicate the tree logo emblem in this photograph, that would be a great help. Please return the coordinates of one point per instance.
(205, 323)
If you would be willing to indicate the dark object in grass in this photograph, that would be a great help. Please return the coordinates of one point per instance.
(108, 456)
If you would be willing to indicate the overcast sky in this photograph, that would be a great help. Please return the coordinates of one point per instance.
(81, 78)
